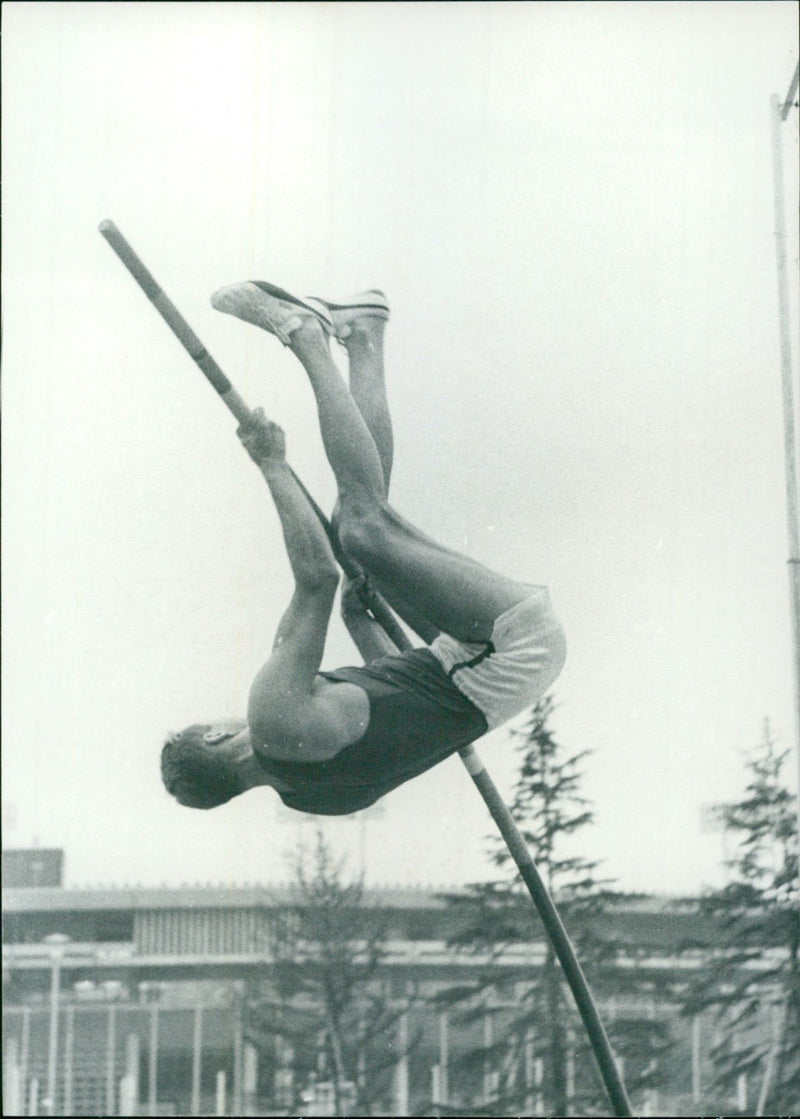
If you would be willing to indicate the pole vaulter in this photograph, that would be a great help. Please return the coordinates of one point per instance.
(264, 442)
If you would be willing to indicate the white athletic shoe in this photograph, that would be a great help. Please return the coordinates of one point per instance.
(270, 307)
(344, 311)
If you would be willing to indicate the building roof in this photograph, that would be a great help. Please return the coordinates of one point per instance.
(223, 896)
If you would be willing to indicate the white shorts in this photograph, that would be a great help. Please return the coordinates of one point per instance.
(511, 672)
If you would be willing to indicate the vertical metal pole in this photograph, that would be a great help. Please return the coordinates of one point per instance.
(741, 1092)
(249, 1079)
(33, 1096)
(570, 1063)
(530, 1064)
(539, 1081)
(12, 1096)
(361, 1060)
(488, 1040)
(789, 419)
(777, 1020)
(127, 1095)
(436, 1088)
(111, 1050)
(220, 1094)
(24, 1047)
(444, 1085)
(197, 1048)
(52, 1045)
(401, 1071)
(132, 1070)
(237, 1058)
(69, 1046)
(152, 1077)
(362, 847)
(697, 1084)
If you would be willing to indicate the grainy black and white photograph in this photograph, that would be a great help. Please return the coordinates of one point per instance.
(401, 563)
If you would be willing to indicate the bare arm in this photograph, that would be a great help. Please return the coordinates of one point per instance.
(307, 545)
(285, 710)
(308, 548)
(369, 637)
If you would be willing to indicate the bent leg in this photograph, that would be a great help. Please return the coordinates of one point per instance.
(457, 595)
(349, 445)
(364, 345)
(413, 618)
(454, 593)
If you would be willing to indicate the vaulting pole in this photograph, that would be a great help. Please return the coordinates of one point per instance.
(175, 321)
(548, 913)
(779, 112)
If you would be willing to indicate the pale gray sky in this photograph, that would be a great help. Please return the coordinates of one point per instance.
(570, 207)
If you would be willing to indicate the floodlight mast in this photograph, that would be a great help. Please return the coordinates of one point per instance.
(779, 113)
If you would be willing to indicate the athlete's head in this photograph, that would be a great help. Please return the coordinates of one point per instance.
(200, 766)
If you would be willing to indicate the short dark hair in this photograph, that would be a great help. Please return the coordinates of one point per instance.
(196, 774)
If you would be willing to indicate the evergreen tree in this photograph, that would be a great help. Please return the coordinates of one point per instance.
(750, 977)
(541, 1059)
(322, 996)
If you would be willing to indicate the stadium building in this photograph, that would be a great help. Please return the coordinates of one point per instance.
(138, 1001)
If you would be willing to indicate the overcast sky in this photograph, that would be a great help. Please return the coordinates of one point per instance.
(570, 207)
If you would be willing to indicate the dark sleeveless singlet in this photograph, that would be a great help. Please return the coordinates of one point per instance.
(417, 718)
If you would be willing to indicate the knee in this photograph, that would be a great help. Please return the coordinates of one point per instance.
(363, 527)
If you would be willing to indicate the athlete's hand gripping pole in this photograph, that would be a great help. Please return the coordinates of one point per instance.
(200, 355)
